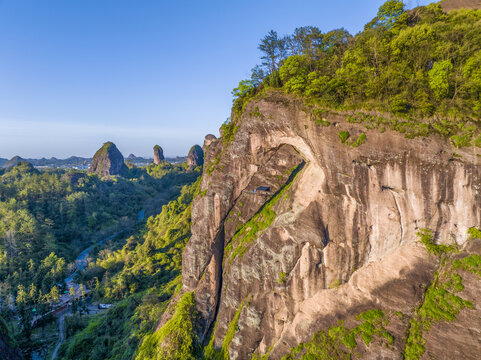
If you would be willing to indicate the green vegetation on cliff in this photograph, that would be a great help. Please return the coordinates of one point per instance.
(210, 352)
(441, 302)
(177, 337)
(421, 65)
(340, 342)
(259, 222)
(48, 217)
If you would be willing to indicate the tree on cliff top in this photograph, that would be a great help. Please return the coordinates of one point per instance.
(389, 13)
(273, 49)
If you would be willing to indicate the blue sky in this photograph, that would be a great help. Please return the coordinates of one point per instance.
(77, 73)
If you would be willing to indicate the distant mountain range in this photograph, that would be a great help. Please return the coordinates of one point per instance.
(77, 161)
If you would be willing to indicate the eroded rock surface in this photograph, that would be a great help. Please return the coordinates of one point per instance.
(108, 161)
(334, 235)
(209, 139)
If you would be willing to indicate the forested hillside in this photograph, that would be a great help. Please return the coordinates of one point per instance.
(48, 217)
(142, 276)
(421, 66)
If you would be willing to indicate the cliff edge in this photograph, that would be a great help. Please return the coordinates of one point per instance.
(307, 217)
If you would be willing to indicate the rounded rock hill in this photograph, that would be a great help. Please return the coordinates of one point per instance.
(107, 161)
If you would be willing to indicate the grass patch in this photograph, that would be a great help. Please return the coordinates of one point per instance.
(361, 139)
(440, 300)
(259, 222)
(334, 284)
(474, 233)
(177, 339)
(318, 116)
(343, 135)
(440, 304)
(470, 263)
(213, 164)
(339, 342)
(210, 353)
(282, 278)
(427, 238)
(460, 133)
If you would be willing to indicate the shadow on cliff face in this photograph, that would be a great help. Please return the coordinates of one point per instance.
(334, 239)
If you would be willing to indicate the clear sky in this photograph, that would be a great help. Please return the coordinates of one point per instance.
(77, 73)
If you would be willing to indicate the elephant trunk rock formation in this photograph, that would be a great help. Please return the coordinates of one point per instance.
(294, 230)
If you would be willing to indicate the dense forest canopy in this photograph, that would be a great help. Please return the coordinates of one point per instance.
(141, 276)
(48, 217)
(422, 64)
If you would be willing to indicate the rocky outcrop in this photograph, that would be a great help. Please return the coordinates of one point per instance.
(449, 5)
(195, 157)
(108, 161)
(13, 162)
(334, 235)
(158, 155)
(209, 139)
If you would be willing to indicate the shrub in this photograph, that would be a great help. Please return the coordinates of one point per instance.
(360, 140)
(177, 339)
(343, 135)
(426, 237)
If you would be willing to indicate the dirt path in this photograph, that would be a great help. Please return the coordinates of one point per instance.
(61, 332)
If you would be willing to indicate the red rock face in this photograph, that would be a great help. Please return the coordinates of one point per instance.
(343, 238)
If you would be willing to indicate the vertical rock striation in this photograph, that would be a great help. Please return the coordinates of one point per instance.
(334, 235)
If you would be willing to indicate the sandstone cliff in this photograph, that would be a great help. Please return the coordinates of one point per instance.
(108, 161)
(333, 236)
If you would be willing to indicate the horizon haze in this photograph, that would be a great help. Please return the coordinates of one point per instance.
(75, 75)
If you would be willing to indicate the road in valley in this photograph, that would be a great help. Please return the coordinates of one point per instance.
(81, 264)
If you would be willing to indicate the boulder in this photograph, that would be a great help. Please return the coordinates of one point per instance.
(209, 138)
